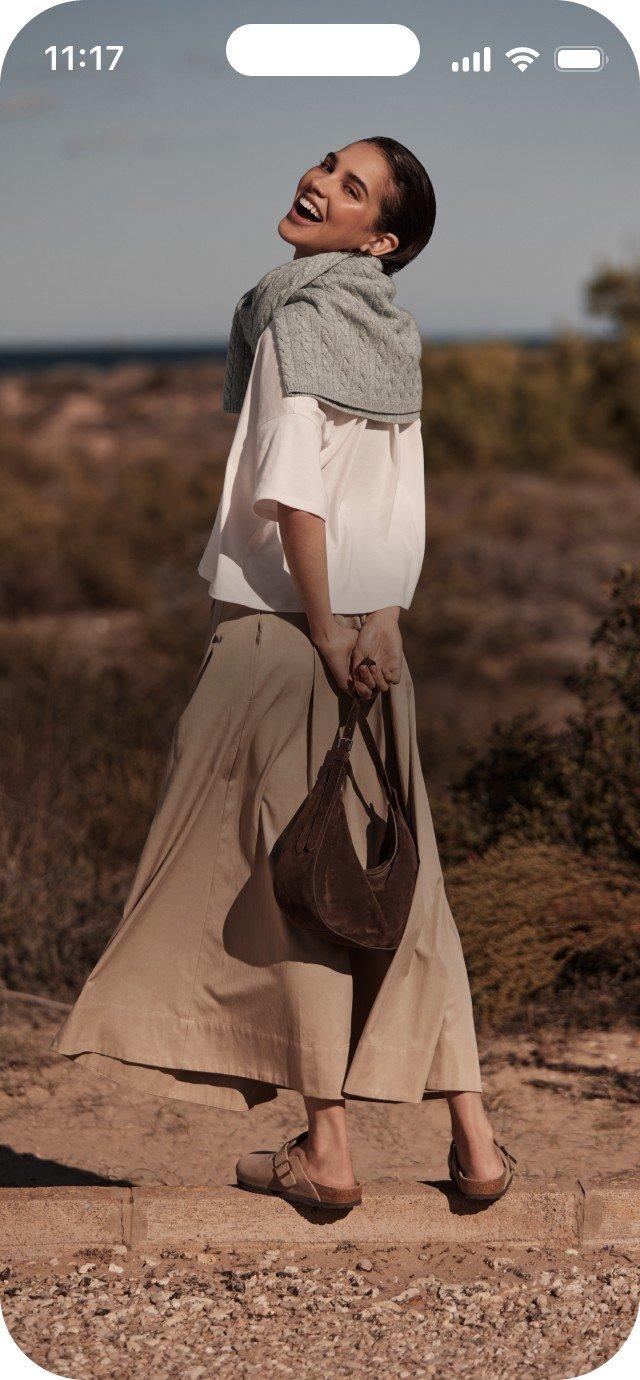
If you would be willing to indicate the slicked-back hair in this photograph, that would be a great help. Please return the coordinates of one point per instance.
(408, 207)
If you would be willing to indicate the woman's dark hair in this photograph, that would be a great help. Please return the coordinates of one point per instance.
(408, 207)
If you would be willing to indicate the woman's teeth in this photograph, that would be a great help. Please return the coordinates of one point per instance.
(305, 208)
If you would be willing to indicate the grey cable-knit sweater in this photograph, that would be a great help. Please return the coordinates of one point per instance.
(339, 337)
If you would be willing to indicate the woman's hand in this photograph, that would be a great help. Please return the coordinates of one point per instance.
(335, 648)
(379, 641)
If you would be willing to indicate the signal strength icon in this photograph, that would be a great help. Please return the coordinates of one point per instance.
(522, 57)
(478, 62)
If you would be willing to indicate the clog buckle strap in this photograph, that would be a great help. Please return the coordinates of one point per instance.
(282, 1164)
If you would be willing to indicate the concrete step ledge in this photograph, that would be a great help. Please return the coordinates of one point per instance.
(38, 1222)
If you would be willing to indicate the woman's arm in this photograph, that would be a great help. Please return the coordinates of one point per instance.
(305, 547)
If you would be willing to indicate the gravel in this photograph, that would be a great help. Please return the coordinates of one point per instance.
(429, 1313)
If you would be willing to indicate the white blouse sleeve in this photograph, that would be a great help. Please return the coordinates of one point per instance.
(288, 446)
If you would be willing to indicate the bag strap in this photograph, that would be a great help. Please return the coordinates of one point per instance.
(336, 763)
(314, 828)
(345, 743)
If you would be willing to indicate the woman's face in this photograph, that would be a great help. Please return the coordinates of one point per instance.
(337, 204)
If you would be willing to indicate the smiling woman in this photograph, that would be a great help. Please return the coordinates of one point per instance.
(373, 196)
(206, 990)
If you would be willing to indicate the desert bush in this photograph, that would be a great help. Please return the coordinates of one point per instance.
(580, 785)
(614, 292)
(612, 405)
(497, 403)
(109, 481)
(549, 936)
(101, 538)
(83, 753)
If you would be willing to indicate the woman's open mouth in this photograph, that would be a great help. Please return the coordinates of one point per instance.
(304, 209)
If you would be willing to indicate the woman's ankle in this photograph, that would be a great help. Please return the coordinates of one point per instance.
(473, 1134)
(327, 1125)
(470, 1124)
(333, 1167)
(325, 1148)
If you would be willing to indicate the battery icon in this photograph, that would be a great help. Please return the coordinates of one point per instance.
(580, 59)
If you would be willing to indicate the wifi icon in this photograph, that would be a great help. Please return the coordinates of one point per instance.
(522, 57)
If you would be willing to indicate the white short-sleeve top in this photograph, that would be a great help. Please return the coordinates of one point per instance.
(365, 479)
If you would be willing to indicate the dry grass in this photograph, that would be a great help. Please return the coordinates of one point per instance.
(550, 936)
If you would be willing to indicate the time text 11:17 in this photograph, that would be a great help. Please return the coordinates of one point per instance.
(77, 57)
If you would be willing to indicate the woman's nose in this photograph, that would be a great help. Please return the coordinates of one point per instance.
(319, 184)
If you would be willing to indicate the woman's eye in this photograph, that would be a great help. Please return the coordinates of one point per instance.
(351, 190)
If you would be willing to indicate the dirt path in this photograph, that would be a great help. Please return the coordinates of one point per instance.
(567, 1108)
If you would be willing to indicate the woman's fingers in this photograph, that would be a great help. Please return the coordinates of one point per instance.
(379, 678)
(368, 671)
(363, 681)
(364, 674)
(369, 680)
(363, 691)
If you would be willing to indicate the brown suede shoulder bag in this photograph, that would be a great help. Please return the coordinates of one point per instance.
(318, 879)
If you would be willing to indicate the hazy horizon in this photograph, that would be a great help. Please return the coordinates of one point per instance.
(202, 343)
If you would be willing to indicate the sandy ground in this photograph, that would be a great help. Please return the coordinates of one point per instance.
(567, 1107)
(436, 1312)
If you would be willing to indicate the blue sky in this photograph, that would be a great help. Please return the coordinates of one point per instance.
(138, 205)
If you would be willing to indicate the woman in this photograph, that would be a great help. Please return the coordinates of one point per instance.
(205, 991)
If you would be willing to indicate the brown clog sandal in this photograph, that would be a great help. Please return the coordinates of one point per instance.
(281, 1173)
(482, 1190)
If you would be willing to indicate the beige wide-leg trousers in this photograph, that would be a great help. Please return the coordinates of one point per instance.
(205, 991)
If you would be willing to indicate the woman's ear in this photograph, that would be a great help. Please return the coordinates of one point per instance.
(381, 244)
